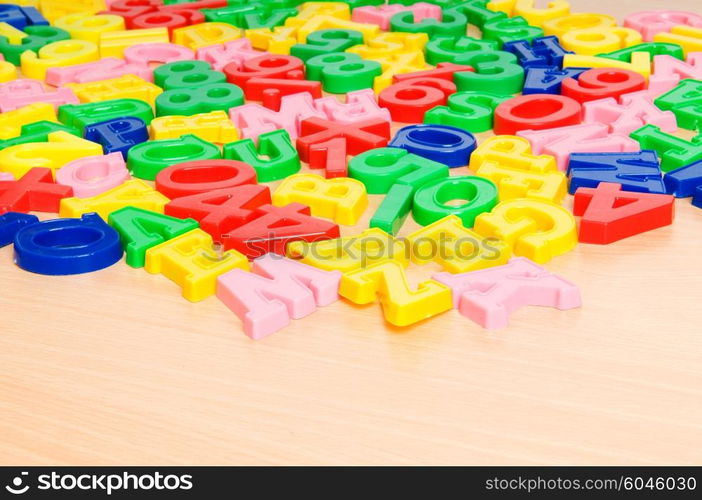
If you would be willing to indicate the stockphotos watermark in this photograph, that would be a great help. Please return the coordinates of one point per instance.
(105, 483)
(368, 249)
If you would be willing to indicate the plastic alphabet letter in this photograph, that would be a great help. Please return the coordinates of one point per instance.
(67, 246)
(591, 137)
(61, 148)
(342, 200)
(632, 112)
(93, 175)
(352, 252)
(456, 248)
(221, 210)
(190, 260)
(141, 229)
(118, 135)
(35, 191)
(448, 145)
(489, 296)
(535, 229)
(194, 177)
(633, 171)
(276, 291)
(610, 214)
(11, 223)
(387, 281)
(135, 192)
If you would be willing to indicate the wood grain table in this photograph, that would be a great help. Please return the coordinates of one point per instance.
(114, 367)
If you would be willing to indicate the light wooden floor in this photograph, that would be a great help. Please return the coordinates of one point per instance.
(115, 367)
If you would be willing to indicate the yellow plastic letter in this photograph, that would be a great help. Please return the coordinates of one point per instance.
(536, 16)
(511, 150)
(640, 62)
(350, 253)
(310, 10)
(401, 306)
(191, 261)
(536, 229)
(11, 121)
(83, 26)
(456, 248)
(8, 71)
(341, 199)
(559, 26)
(276, 41)
(593, 41)
(113, 43)
(13, 35)
(204, 34)
(124, 87)
(61, 148)
(61, 53)
(133, 193)
(214, 126)
(689, 38)
(55, 9)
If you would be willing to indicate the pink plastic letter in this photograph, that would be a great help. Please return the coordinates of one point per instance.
(18, 93)
(93, 175)
(635, 111)
(489, 296)
(143, 54)
(109, 67)
(586, 138)
(668, 71)
(277, 290)
(254, 119)
(360, 105)
(650, 22)
(236, 51)
(381, 15)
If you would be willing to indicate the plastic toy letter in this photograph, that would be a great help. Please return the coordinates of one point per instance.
(489, 296)
(56, 54)
(61, 148)
(34, 191)
(455, 247)
(141, 229)
(535, 229)
(191, 261)
(342, 200)
(352, 252)
(281, 289)
(11, 223)
(254, 119)
(93, 175)
(591, 137)
(387, 282)
(610, 214)
(135, 192)
(67, 246)
(633, 111)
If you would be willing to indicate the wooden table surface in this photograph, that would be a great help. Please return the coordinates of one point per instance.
(114, 367)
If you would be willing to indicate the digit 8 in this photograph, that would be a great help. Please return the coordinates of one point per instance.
(218, 96)
(186, 74)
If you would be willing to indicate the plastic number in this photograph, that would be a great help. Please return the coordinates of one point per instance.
(342, 72)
